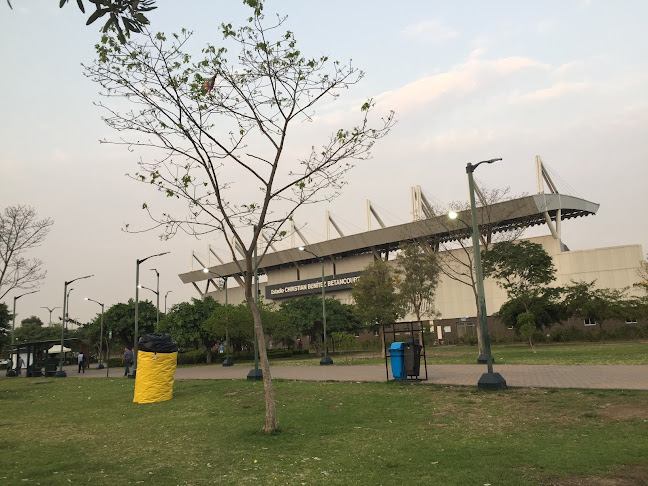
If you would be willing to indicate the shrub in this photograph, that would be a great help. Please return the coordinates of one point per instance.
(194, 356)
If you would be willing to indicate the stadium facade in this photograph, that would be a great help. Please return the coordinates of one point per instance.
(291, 273)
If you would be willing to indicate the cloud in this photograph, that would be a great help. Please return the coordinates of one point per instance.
(60, 155)
(545, 26)
(558, 90)
(430, 31)
(459, 81)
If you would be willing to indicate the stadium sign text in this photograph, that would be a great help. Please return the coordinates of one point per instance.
(311, 286)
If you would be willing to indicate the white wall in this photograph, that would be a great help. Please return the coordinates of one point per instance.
(613, 267)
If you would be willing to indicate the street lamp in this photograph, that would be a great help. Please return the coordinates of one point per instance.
(67, 312)
(50, 311)
(157, 324)
(60, 373)
(326, 360)
(100, 367)
(165, 300)
(13, 325)
(227, 361)
(137, 287)
(482, 358)
(157, 293)
(256, 374)
(489, 380)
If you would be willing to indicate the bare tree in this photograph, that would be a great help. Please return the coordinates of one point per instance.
(222, 127)
(20, 231)
(418, 268)
(642, 273)
(456, 259)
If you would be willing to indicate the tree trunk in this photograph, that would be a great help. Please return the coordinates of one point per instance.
(383, 352)
(271, 412)
(209, 354)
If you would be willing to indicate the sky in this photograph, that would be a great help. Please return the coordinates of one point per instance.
(468, 80)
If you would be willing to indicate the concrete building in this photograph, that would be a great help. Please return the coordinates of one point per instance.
(292, 273)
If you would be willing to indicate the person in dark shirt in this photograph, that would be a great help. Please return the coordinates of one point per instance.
(127, 360)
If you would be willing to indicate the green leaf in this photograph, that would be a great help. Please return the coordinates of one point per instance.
(97, 13)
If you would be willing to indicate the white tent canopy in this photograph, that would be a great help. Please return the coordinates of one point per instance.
(57, 349)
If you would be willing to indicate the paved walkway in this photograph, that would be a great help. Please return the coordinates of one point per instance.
(544, 376)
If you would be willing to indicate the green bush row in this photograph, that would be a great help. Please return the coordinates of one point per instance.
(628, 332)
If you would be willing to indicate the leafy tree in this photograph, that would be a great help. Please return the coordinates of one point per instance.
(130, 12)
(303, 317)
(583, 300)
(545, 306)
(524, 270)
(636, 307)
(188, 322)
(32, 329)
(241, 328)
(216, 122)
(526, 327)
(33, 321)
(375, 297)
(419, 276)
(5, 325)
(120, 319)
(20, 231)
(521, 268)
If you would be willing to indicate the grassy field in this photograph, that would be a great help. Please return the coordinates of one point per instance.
(88, 431)
(612, 353)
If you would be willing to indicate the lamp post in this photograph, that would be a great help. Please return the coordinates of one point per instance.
(326, 360)
(67, 312)
(489, 380)
(165, 300)
(157, 293)
(100, 367)
(60, 373)
(13, 327)
(256, 374)
(137, 287)
(227, 361)
(482, 358)
(157, 323)
(50, 311)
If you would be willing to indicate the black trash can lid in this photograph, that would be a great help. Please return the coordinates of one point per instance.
(158, 343)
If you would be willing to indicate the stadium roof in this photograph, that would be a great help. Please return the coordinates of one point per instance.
(517, 213)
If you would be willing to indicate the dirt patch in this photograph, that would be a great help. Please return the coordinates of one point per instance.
(623, 411)
(627, 476)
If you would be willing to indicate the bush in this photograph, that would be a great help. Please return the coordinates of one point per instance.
(194, 356)
(467, 339)
(113, 362)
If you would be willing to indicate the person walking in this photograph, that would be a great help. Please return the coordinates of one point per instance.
(127, 360)
(21, 363)
(80, 361)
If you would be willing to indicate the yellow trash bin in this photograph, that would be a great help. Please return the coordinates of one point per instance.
(155, 369)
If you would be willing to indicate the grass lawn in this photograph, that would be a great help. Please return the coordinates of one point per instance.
(88, 431)
(610, 353)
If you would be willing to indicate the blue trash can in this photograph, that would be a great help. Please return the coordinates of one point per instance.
(396, 356)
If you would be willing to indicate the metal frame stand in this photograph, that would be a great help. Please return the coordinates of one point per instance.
(411, 328)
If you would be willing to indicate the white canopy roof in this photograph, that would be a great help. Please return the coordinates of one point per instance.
(57, 349)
